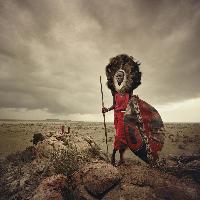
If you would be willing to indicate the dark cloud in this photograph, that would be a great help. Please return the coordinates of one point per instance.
(52, 53)
(164, 35)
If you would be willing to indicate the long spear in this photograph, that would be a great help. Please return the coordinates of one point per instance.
(104, 118)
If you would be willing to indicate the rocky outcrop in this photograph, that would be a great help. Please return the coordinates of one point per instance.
(73, 167)
(28, 171)
(129, 181)
(132, 181)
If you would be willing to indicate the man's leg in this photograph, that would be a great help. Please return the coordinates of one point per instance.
(113, 157)
(121, 152)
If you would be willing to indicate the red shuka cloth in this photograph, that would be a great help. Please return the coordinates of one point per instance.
(144, 128)
(121, 102)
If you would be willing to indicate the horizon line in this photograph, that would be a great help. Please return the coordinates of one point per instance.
(60, 120)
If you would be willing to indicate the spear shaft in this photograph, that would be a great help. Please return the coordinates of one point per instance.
(104, 117)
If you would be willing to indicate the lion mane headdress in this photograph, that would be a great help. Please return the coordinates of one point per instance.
(130, 68)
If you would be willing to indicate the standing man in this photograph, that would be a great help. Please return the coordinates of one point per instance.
(138, 125)
(121, 85)
(120, 102)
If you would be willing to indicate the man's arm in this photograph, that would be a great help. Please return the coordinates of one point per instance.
(104, 110)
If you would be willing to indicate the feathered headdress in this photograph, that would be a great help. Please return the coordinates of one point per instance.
(126, 64)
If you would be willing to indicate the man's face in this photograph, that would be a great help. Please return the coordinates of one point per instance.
(120, 77)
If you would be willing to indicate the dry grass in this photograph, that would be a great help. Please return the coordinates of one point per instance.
(16, 136)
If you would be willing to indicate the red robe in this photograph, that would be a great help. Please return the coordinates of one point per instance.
(121, 102)
(140, 128)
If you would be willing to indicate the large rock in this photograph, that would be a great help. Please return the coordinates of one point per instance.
(100, 177)
(58, 143)
(49, 146)
(95, 180)
(50, 188)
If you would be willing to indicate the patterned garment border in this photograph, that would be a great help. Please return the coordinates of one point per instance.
(142, 130)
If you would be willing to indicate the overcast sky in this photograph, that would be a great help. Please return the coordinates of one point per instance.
(53, 52)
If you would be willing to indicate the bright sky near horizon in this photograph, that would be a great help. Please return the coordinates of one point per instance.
(53, 52)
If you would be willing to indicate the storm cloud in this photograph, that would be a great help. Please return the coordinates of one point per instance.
(52, 52)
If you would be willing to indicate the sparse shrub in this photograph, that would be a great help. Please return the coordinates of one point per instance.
(69, 160)
(20, 158)
(94, 151)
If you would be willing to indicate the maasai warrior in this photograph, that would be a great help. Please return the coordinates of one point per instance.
(138, 125)
(120, 102)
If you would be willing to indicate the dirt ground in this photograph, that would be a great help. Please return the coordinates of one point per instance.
(16, 135)
(26, 171)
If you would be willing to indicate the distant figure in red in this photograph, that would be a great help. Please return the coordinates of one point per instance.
(120, 102)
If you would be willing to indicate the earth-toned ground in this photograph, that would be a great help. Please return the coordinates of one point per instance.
(72, 166)
(16, 135)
